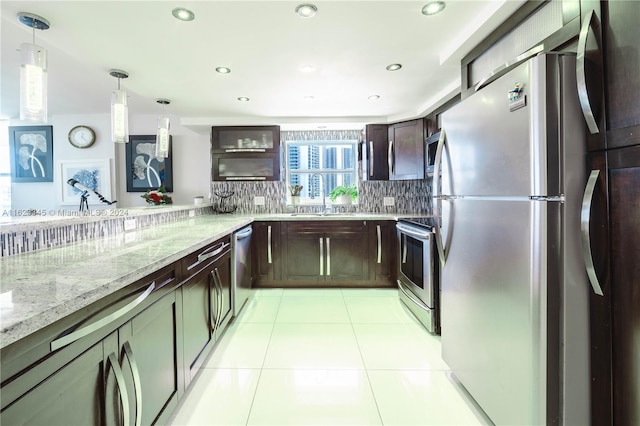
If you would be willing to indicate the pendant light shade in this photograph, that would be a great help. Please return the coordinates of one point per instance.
(33, 72)
(119, 111)
(162, 136)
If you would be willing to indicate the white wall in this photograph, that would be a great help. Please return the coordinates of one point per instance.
(191, 162)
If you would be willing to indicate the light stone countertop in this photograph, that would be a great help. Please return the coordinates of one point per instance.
(39, 288)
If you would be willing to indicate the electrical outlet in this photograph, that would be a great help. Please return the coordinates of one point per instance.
(192, 213)
(258, 201)
(389, 201)
(129, 224)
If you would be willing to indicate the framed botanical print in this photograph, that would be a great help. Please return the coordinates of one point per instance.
(31, 153)
(145, 171)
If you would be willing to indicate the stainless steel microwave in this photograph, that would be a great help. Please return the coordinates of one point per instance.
(431, 145)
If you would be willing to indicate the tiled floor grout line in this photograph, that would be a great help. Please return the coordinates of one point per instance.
(264, 359)
(366, 370)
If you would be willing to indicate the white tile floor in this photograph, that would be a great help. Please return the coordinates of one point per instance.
(326, 357)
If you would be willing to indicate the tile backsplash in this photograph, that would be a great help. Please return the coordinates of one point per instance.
(410, 196)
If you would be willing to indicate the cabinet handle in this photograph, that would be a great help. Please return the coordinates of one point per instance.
(220, 298)
(321, 258)
(371, 160)
(204, 255)
(328, 256)
(390, 157)
(213, 301)
(378, 231)
(137, 387)
(585, 221)
(112, 363)
(590, 22)
(269, 258)
(85, 331)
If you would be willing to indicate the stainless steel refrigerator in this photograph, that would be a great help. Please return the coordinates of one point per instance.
(510, 177)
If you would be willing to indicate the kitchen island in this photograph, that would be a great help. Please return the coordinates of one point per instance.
(132, 312)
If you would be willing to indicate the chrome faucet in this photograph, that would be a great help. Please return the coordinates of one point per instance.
(322, 182)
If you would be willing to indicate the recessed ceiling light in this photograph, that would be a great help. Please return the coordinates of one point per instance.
(307, 68)
(433, 7)
(306, 10)
(183, 14)
(309, 97)
(374, 97)
(394, 67)
(243, 99)
(223, 70)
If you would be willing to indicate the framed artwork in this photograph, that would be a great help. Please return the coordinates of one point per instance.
(31, 153)
(93, 174)
(145, 171)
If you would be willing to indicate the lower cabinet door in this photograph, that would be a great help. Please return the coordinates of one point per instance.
(346, 254)
(304, 256)
(222, 271)
(148, 357)
(73, 395)
(197, 326)
(382, 253)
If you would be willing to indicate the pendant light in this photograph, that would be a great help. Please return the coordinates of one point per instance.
(33, 72)
(119, 110)
(162, 136)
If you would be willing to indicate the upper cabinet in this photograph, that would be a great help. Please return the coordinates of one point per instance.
(393, 151)
(229, 139)
(621, 33)
(406, 150)
(375, 165)
(245, 153)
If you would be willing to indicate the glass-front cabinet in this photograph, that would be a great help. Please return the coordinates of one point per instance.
(228, 139)
(245, 153)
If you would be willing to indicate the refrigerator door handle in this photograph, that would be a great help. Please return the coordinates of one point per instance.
(590, 23)
(585, 221)
(438, 197)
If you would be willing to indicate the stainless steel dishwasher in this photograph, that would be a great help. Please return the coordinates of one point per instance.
(241, 271)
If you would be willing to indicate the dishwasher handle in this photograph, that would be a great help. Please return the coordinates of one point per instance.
(244, 233)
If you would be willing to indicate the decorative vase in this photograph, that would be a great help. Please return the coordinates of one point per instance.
(295, 199)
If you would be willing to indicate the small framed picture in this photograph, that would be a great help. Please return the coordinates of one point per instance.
(31, 153)
(145, 171)
(92, 174)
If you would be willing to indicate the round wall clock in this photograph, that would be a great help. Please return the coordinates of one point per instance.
(82, 136)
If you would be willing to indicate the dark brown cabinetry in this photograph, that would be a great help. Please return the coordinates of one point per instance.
(206, 302)
(125, 371)
(615, 230)
(332, 253)
(324, 253)
(245, 153)
(266, 253)
(406, 150)
(382, 252)
(375, 142)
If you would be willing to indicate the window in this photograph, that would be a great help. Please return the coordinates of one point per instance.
(5, 167)
(320, 161)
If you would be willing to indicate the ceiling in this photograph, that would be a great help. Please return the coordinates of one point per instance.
(264, 43)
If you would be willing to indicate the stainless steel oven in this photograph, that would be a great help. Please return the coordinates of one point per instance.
(418, 271)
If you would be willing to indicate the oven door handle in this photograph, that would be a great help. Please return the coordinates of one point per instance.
(413, 232)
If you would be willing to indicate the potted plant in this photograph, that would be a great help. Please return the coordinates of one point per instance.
(344, 194)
